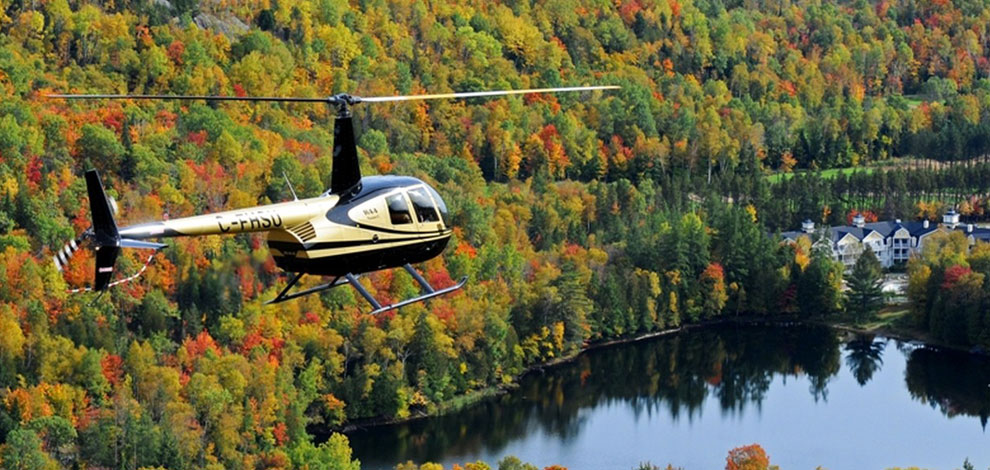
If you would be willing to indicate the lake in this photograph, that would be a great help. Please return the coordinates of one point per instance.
(809, 395)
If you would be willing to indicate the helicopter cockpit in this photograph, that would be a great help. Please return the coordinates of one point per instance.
(416, 208)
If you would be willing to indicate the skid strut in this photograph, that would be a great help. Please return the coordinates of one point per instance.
(284, 295)
(428, 291)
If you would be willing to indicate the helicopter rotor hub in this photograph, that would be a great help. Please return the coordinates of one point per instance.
(342, 101)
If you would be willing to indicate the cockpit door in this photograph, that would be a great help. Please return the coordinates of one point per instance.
(400, 214)
(391, 212)
(412, 210)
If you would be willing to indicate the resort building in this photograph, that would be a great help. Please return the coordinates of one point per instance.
(892, 241)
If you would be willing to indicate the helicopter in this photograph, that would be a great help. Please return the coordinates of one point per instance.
(359, 225)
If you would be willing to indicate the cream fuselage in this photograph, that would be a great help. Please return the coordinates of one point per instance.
(332, 234)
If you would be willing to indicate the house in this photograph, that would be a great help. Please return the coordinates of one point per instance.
(892, 241)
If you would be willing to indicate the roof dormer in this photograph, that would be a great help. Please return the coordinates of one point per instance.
(951, 219)
(859, 220)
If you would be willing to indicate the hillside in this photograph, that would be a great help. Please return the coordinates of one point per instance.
(573, 211)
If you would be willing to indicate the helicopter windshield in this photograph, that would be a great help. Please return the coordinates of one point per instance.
(426, 209)
(440, 205)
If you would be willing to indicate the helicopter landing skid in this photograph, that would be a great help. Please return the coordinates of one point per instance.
(429, 291)
(284, 295)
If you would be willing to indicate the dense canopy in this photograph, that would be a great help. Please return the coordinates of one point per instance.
(579, 217)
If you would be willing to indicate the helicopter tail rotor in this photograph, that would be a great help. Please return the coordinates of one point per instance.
(103, 236)
(63, 256)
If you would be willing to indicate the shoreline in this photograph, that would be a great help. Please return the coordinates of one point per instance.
(492, 391)
(477, 396)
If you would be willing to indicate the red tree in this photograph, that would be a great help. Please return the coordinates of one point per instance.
(953, 274)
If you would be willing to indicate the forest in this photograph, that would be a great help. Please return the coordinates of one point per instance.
(949, 292)
(906, 193)
(579, 217)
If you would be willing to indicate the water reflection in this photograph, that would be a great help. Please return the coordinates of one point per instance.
(954, 382)
(674, 377)
(864, 357)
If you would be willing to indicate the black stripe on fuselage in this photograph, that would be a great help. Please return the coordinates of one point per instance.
(362, 262)
(393, 231)
(293, 246)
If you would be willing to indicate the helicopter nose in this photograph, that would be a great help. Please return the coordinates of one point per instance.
(441, 207)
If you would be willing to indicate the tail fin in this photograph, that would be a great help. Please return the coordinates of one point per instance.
(100, 209)
(106, 257)
(106, 238)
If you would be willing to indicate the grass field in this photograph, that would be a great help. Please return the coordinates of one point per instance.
(890, 318)
(890, 164)
(828, 174)
(915, 100)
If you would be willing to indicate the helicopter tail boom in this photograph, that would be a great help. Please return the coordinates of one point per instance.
(279, 216)
(107, 239)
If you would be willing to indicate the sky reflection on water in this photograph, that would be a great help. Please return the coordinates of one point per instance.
(806, 396)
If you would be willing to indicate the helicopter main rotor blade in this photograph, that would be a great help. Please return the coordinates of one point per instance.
(294, 99)
(479, 94)
(341, 99)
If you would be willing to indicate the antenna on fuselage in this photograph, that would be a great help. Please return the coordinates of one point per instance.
(289, 184)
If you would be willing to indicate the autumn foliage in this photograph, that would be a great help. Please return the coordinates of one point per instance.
(751, 457)
(580, 217)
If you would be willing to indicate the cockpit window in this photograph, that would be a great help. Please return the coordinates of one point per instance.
(440, 205)
(425, 208)
(398, 209)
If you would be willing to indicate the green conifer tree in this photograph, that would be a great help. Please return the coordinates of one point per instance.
(865, 296)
